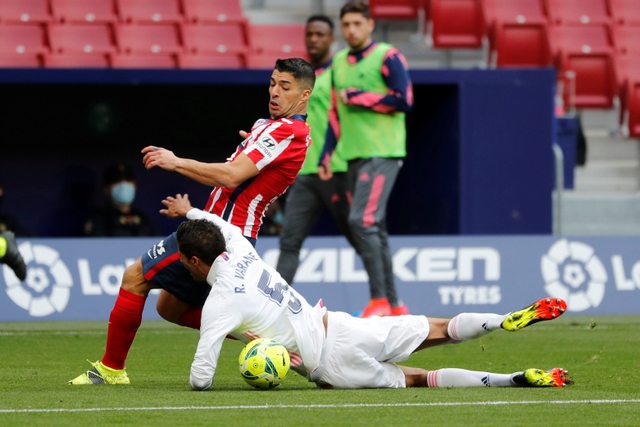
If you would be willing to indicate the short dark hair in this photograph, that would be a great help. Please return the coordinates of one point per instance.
(356, 7)
(118, 172)
(323, 18)
(201, 238)
(299, 69)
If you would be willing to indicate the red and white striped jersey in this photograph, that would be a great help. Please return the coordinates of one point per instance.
(278, 149)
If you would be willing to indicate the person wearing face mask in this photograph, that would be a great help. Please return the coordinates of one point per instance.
(119, 218)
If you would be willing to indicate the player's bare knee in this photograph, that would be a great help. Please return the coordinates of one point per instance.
(438, 328)
(133, 280)
(164, 311)
(170, 308)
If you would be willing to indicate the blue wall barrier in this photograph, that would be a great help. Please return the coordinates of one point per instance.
(479, 143)
(78, 279)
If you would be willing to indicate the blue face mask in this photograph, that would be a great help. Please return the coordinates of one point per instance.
(123, 193)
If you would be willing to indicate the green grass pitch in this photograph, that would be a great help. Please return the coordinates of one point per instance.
(601, 353)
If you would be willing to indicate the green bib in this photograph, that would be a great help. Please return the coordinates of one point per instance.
(318, 119)
(365, 133)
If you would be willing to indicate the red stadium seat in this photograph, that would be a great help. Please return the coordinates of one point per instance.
(81, 38)
(149, 38)
(84, 11)
(627, 67)
(627, 39)
(508, 12)
(457, 23)
(150, 11)
(626, 11)
(210, 39)
(19, 60)
(211, 61)
(520, 11)
(579, 38)
(143, 61)
(587, 50)
(395, 9)
(226, 11)
(633, 93)
(595, 79)
(580, 11)
(265, 61)
(24, 11)
(22, 39)
(522, 45)
(279, 39)
(76, 61)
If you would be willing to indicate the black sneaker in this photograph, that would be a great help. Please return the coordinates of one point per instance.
(12, 257)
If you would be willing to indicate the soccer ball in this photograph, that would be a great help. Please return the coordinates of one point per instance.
(264, 363)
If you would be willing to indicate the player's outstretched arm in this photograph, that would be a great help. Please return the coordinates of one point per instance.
(228, 175)
(219, 318)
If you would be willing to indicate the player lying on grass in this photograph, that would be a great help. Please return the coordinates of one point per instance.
(249, 300)
(259, 171)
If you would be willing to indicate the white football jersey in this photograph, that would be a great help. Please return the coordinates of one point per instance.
(250, 300)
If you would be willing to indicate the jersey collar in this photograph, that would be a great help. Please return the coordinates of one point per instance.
(359, 55)
(319, 70)
(299, 117)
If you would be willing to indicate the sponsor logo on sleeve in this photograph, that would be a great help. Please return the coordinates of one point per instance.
(266, 145)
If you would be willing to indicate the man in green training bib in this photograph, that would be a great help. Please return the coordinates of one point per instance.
(309, 195)
(372, 92)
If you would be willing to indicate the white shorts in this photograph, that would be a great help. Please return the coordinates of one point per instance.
(361, 353)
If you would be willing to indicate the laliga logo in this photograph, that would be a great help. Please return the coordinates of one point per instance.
(572, 272)
(39, 298)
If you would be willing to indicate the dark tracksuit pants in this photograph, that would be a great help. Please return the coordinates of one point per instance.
(306, 199)
(370, 182)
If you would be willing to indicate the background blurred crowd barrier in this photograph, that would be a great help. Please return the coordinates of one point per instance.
(78, 279)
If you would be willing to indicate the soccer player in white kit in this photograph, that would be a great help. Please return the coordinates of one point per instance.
(250, 300)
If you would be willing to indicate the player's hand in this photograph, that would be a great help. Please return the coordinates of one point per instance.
(158, 156)
(176, 207)
(344, 97)
(243, 134)
(324, 172)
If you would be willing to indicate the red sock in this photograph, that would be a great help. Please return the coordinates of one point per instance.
(124, 321)
(191, 318)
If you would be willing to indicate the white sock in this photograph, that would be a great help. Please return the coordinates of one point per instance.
(453, 377)
(471, 326)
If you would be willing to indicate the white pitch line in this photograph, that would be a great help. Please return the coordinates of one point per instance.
(358, 405)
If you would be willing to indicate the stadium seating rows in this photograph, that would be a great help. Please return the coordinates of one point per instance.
(181, 33)
(595, 44)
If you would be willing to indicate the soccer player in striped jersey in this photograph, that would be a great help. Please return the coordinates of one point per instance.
(259, 171)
